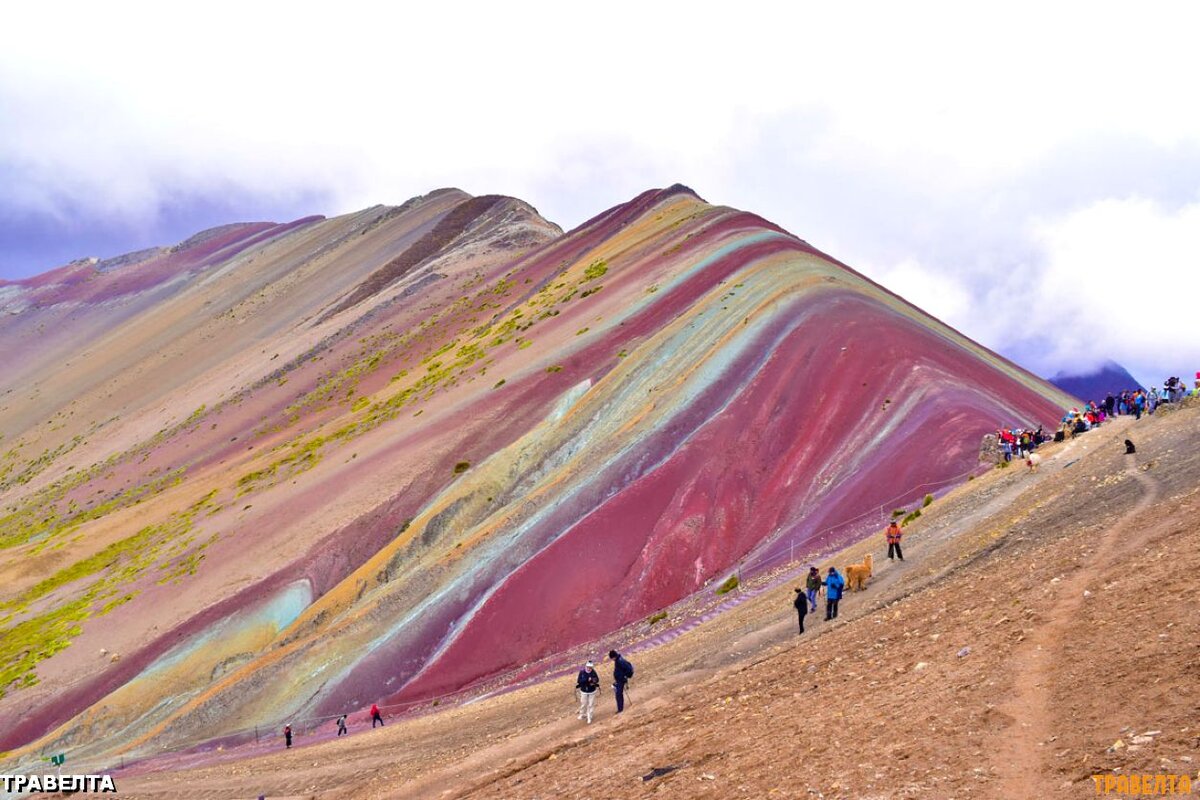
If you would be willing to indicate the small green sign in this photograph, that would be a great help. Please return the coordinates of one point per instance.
(58, 759)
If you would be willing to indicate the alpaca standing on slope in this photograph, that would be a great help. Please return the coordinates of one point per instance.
(857, 574)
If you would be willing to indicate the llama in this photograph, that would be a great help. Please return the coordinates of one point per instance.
(857, 574)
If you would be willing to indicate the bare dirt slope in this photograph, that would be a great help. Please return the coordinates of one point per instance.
(1043, 630)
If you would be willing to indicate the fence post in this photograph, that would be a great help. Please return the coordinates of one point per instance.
(256, 734)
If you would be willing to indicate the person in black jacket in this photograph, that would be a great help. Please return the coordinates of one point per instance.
(586, 685)
(622, 672)
(801, 604)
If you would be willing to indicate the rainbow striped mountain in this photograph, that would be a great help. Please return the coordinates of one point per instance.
(286, 470)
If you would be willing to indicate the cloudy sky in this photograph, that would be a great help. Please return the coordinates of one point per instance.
(1029, 173)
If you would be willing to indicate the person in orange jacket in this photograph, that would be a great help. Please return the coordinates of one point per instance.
(893, 541)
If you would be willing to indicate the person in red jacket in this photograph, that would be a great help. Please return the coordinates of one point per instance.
(893, 541)
(375, 715)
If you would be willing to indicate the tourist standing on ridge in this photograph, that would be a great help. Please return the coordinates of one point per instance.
(587, 683)
(813, 584)
(894, 535)
(375, 715)
(342, 725)
(622, 672)
(834, 584)
(801, 604)
(287, 735)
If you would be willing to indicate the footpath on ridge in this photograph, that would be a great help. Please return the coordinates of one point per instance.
(1042, 631)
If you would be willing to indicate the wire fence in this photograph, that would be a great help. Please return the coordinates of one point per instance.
(771, 552)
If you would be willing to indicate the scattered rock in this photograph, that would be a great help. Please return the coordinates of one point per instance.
(966, 651)
(920, 666)
(658, 771)
(1117, 746)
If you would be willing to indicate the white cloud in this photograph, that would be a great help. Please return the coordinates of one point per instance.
(936, 145)
(1122, 273)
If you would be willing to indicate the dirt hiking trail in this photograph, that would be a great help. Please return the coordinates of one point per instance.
(1019, 748)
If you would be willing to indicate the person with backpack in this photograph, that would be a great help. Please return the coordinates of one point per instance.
(341, 723)
(287, 735)
(375, 715)
(587, 683)
(801, 604)
(813, 584)
(834, 584)
(622, 672)
(894, 534)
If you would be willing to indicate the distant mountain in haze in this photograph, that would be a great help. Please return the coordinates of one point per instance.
(1108, 377)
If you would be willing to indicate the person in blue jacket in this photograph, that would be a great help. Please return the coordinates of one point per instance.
(834, 583)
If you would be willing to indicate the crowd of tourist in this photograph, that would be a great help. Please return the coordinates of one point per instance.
(1019, 442)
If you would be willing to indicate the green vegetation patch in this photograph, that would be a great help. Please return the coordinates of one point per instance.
(26, 642)
(597, 269)
(729, 585)
(43, 517)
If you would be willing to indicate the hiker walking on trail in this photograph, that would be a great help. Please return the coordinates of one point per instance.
(375, 715)
(813, 584)
(894, 535)
(834, 584)
(801, 604)
(342, 725)
(622, 672)
(287, 735)
(587, 684)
